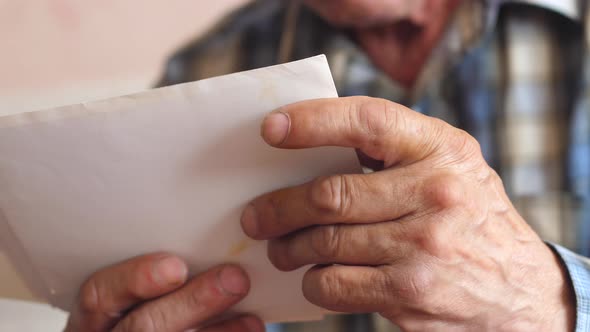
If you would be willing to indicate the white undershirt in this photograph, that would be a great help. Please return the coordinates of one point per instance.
(569, 8)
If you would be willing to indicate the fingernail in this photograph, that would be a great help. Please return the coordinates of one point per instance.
(233, 281)
(169, 270)
(253, 324)
(249, 221)
(275, 128)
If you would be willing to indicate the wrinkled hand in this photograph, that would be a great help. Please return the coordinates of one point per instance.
(151, 294)
(432, 242)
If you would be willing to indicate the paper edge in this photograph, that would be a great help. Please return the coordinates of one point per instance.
(87, 108)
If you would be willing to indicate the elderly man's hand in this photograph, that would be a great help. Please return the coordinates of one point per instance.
(151, 293)
(432, 242)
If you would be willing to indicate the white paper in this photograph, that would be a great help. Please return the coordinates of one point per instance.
(88, 185)
(30, 317)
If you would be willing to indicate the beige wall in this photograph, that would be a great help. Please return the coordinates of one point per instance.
(56, 52)
(63, 51)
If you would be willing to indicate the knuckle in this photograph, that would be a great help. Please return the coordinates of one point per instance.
(465, 149)
(331, 195)
(376, 117)
(325, 242)
(102, 292)
(416, 287)
(328, 290)
(463, 142)
(445, 191)
(197, 301)
(89, 298)
(385, 252)
(434, 240)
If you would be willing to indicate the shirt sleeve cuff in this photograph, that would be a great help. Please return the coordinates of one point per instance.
(578, 268)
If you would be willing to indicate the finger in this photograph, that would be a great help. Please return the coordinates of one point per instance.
(242, 324)
(335, 200)
(379, 128)
(361, 289)
(368, 245)
(350, 289)
(200, 300)
(109, 293)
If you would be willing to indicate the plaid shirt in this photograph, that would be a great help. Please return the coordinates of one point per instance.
(579, 270)
(515, 76)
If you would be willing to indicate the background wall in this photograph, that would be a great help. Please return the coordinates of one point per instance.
(58, 52)
(63, 51)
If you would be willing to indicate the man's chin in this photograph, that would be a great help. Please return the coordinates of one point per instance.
(402, 49)
(394, 53)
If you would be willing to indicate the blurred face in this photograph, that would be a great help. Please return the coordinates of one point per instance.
(398, 35)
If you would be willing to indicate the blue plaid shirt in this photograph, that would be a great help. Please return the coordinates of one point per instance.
(579, 270)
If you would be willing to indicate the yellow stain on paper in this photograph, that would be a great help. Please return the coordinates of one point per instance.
(238, 248)
(268, 91)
